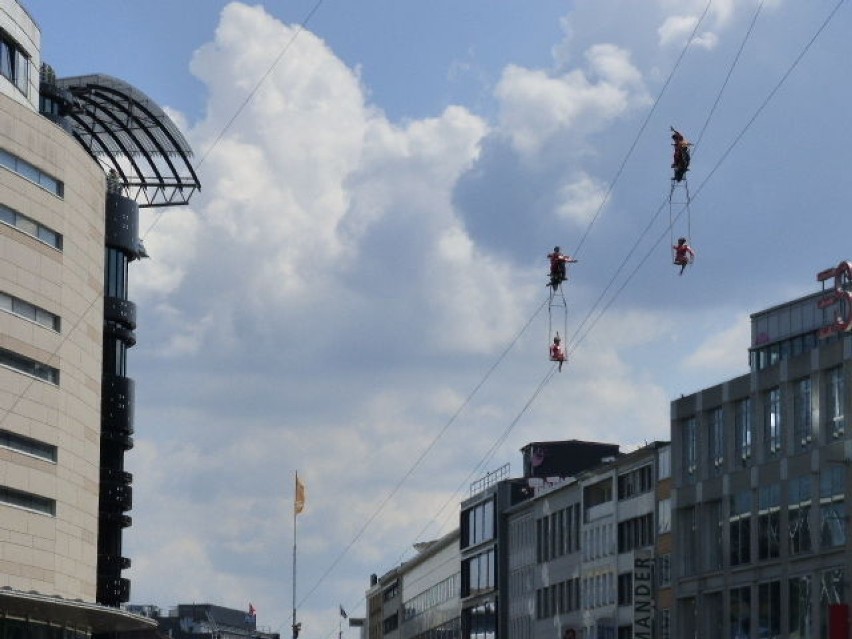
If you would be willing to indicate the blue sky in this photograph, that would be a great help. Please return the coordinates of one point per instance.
(371, 235)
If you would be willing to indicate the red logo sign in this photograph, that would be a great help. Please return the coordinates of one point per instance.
(839, 298)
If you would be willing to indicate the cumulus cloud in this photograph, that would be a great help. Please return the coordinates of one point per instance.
(676, 29)
(580, 198)
(536, 105)
(338, 287)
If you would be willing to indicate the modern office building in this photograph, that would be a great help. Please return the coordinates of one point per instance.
(66, 404)
(465, 584)
(581, 551)
(761, 472)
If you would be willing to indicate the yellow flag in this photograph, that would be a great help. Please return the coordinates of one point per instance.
(299, 501)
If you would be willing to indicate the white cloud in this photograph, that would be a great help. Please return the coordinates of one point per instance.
(536, 105)
(676, 29)
(722, 353)
(323, 306)
(580, 198)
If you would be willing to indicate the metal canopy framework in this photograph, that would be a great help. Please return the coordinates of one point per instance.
(123, 128)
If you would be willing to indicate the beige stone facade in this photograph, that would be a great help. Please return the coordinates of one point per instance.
(51, 553)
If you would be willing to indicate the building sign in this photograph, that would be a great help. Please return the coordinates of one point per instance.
(643, 599)
(839, 299)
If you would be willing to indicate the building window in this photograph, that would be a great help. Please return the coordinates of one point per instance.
(635, 482)
(28, 311)
(832, 508)
(664, 470)
(625, 589)
(716, 451)
(769, 522)
(799, 513)
(769, 609)
(712, 533)
(572, 528)
(636, 533)
(15, 64)
(740, 600)
(391, 591)
(116, 274)
(772, 421)
(835, 393)
(480, 622)
(28, 501)
(664, 570)
(802, 432)
(31, 173)
(432, 597)
(800, 607)
(832, 591)
(478, 523)
(665, 623)
(28, 446)
(687, 539)
(478, 574)
(29, 366)
(29, 226)
(743, 427)
(739, 528)
(390, 623)
(597, 494)
(664, 516)
(690, 448)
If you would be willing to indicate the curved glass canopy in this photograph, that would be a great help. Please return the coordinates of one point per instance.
(124, 129)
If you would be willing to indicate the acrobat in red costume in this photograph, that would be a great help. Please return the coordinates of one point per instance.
(684, 254)
(557, 352)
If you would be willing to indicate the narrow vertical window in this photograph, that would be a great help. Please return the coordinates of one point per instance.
(772, 422)
(835, 394)
(743, 427)
(798, 514)
(769, 522)
(690, 447)
(802, 433)
(717, 441)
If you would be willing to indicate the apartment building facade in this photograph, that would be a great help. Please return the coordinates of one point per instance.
(761, 471)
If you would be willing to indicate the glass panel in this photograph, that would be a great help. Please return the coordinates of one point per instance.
(22, 308)
(8, 160)
(22, 73)
(772, 421)
(27, 225)
(833, 523)
(46, 235)
(800, 607)
(27, 170)
(7, 215)
(740, 600)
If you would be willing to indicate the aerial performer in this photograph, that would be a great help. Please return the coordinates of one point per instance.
(557, 352)
(558, 270)
(683, 254)
(680, 161)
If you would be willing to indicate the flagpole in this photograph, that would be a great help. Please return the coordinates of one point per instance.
(295, 627)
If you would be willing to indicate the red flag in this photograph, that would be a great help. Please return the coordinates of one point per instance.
(252, 610)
